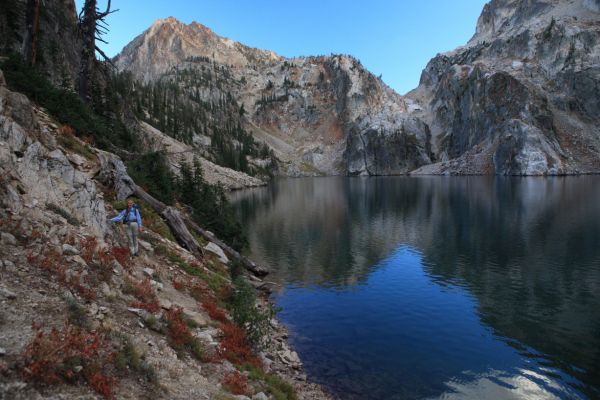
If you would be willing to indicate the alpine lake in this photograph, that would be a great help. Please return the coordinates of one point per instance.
(435, 287)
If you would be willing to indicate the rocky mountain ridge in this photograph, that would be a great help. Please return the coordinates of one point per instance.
(519, 98)
(316, 113)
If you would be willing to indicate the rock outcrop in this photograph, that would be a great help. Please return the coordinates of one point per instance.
(36, 172)
(521, 98)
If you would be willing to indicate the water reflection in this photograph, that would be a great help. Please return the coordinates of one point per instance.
(520, 256)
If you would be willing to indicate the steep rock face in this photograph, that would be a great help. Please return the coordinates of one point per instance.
(521, 98)
(32, 165)
(319, 114)
(56, 41)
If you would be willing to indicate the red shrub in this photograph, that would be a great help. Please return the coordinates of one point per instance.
(105, 259)
(144, 293)
(214, 311)
(121, 254)
(225, 293)
(75, 283)
(51, 358)
(102, 384)
(179, 333)
(67, 130)
(51, 261)
(201, 292)
(179, 285)
(235, 347)
(88, 248)
(236, 383)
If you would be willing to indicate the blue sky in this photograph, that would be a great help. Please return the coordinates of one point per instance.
(392, 38)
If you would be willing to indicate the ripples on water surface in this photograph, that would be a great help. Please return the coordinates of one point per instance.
(436, 287)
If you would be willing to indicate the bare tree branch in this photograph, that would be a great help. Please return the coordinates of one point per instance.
(106, 58)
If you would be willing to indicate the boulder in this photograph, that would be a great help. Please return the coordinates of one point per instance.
(113, 173)
(145, 245)
(149, 272)
(7, 293)
(8, 238)
(260, 396)
(69, 250)
(213, 248)
(198, 318)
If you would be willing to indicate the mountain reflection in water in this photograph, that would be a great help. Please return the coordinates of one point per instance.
(436, 286)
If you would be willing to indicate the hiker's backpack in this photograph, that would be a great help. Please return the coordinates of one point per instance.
(136, 209)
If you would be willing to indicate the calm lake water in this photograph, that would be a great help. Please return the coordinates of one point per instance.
(436, 287)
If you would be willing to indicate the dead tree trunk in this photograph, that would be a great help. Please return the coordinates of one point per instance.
(175, 221)
(178, 223)
(87, 25)
(32, 22)
(92, 26)
(246, 262)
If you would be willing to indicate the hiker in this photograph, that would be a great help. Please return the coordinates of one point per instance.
(133, 223)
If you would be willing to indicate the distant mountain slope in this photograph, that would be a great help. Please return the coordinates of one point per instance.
(319, 114)
(522, 97)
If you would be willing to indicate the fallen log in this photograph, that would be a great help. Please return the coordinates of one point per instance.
(246, 262)
(175, 221)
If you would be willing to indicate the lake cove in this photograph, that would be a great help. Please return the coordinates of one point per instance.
(436, 287)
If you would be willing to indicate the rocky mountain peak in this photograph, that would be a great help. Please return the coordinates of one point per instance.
(169, 42)
(504, 17)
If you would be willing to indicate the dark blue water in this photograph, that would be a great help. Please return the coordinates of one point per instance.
(436, 287)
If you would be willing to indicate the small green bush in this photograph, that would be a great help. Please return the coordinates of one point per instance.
(275, 386)
(242, 307)
(77, 314)
(129, 358)
(70, 143)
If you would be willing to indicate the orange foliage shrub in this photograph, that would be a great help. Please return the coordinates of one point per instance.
(121, 254)
(144, 293)
(67, 130)
(102, 384)
(51, 261)
(52, 356)
(201, 292)
(179, 333)
(88, 248)
(179, 285)
(236, 383)
(235, 347)
(214, 311)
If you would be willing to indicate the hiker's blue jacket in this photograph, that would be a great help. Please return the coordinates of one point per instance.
(134, 216)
